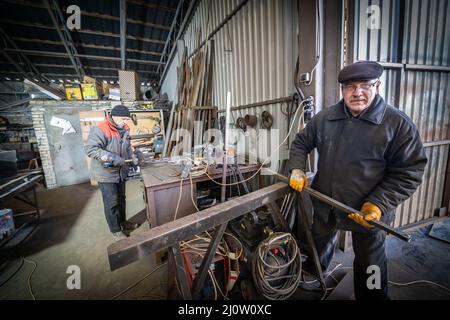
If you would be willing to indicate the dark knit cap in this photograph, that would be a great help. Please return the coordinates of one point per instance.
(120, 111)
(360, 71)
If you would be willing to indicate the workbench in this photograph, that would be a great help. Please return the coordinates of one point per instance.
(17, 187)
(162, 190)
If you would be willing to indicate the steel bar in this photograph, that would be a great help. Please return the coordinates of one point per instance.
(137, 246)
(123, 33)
(260, 104)
(57, 19)
(180, 272)
(343, 207)
(206, 261)
(220, 26)
(179, 33)
(26, 61)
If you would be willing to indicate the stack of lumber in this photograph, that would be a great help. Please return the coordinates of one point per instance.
(194, 112)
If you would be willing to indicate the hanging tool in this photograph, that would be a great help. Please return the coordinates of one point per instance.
(343, 207)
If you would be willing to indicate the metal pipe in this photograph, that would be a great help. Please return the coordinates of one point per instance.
(260, 104)
(343, 207)
(123, 32)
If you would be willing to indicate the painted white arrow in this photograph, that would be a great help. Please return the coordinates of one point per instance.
(63, 124)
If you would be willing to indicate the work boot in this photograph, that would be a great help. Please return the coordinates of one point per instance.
(119, 236)
(127, 225)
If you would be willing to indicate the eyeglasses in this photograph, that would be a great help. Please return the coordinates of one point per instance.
(363, 86)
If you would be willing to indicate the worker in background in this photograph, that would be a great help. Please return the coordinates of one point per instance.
(370, 157)
(109, 147)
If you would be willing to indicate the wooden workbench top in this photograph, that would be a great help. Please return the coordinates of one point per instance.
(164, 174)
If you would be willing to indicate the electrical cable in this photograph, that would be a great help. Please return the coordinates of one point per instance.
(137, 282)
(420, 281)
(29, 277)
(179, 198)
(279, 279)
(192, 194)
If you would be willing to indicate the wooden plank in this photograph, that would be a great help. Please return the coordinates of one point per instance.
(139, 245)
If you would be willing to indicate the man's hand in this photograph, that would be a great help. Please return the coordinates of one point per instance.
(135, 160)
(371, 211)
(298, 180)
(118, 161)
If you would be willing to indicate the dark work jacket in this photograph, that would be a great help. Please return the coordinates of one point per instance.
(377, 157)
(105, 140)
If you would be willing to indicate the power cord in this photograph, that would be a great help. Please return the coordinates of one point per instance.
(137, 282)
(277, 266)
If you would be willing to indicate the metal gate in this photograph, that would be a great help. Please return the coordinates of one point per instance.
(411, 39)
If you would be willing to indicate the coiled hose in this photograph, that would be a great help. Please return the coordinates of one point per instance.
(277, 266)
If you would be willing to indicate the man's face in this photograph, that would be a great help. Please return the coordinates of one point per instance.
(358, 95)
(120, 121)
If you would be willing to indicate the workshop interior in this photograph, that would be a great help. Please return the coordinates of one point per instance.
(218, 97)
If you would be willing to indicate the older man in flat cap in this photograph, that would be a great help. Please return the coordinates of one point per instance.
(370, 157)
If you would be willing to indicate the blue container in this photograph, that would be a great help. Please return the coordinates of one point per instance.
(7, 227)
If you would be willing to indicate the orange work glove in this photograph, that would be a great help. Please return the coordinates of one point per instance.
(298, 180)
(371, 211)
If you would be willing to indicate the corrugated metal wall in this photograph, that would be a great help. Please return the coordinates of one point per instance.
(414, 43)
(255, 53)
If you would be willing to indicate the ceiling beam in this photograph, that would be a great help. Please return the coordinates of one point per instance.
(123, 33)
(22, 58)
(151, 5)
(85, 31)
(68, 75)
(86, 56)
(90, 14)
(57, 18)
(85, 45)
(52, 65)
(180, 27)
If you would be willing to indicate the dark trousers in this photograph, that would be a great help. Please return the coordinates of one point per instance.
(369, 250)
(114, 204)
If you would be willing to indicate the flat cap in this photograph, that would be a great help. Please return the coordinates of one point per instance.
(359, 71)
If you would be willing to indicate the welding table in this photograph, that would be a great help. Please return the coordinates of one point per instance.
(17, 187)
(162, 190)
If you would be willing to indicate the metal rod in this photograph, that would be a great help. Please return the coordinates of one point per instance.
(180, 272)
(123, 32)
(260, 104)
(343, 207)
(206, 262)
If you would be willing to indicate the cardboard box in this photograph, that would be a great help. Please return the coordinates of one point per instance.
(91, 89)
(130, 86)
(114, 94)
(73, 91)
(105, 89)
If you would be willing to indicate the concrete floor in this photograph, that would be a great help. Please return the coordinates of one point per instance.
(73, 231)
